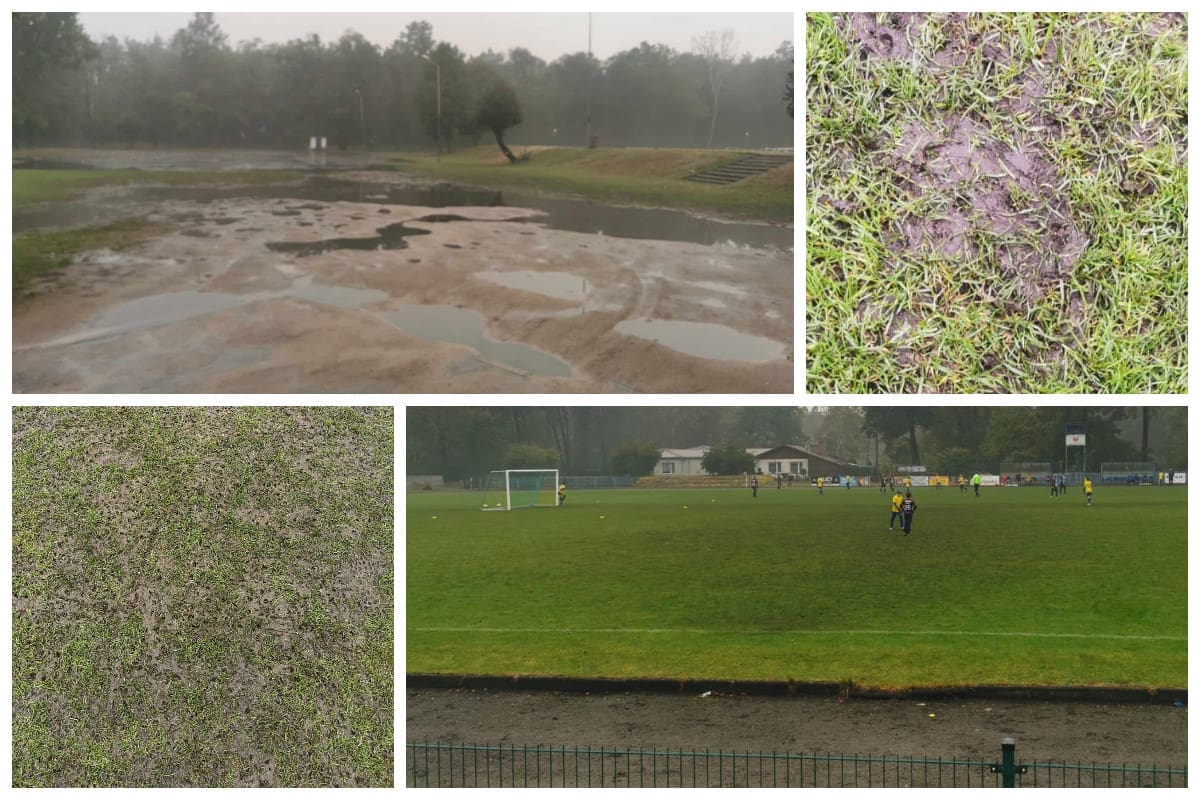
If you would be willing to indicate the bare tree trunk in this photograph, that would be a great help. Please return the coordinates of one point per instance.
(503, 147)
(712, 126)
(718, 49)
(1145, 433)
(602, 417)
(560, 426)
(518, 419)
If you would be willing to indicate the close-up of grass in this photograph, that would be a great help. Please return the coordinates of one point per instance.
(1012, 588)
(996, 202)
(202, 597)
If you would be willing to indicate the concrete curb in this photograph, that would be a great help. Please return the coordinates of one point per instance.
(555, 683)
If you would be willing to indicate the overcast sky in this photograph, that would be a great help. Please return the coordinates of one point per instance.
(547, 35)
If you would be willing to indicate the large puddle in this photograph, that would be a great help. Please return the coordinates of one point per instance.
(171, 307)
(464, 326)
(629, 222)
(390, 237)
(704, 340)
(437, 323)
(559, 285)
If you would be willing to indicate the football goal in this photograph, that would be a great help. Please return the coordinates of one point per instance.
(507, 489)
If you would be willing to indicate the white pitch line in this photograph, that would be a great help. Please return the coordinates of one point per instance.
(702, 631)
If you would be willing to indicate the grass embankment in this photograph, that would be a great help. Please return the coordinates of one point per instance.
(997, 203)
(39, 253)
(1014, 587)
(202, 597)
(645, 176)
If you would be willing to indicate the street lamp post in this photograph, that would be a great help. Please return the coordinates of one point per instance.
(362, 124)
(437, 76)
(589, 83)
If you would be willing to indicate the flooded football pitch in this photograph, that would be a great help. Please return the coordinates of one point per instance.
(354, 278)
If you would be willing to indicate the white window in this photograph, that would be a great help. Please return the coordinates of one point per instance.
(773, 467)
(794, 467)
(668, 468)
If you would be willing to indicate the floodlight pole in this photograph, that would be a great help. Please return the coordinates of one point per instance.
(589, 82)
(362, 117)
(437, 77)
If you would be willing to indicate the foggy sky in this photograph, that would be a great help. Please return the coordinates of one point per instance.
(546, 35)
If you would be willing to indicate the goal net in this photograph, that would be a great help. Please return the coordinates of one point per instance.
(507, 489)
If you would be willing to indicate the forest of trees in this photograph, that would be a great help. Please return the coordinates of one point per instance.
(460, 442)
(198, 89)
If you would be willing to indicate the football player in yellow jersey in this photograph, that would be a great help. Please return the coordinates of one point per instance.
(897, 499)
(1087, 488)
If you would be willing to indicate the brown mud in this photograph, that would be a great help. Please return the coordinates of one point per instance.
(1072, 732)
(1002, 192)
(345, 286)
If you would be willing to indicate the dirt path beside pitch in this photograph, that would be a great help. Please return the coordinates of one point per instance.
(1071, 732)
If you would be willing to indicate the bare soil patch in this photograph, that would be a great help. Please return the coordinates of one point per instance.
(963, 729)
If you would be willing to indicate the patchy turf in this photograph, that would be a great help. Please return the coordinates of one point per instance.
(997, 202)
(38, 255)
(53, 184)
(202, 597)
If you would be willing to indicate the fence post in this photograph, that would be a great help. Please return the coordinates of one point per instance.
(1007, 767)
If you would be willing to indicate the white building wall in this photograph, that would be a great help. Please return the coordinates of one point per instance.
(786, 466)
(679, 466)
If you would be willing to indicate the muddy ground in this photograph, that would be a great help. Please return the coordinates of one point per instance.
(360, 280)
(985, 213)
(1068, 733)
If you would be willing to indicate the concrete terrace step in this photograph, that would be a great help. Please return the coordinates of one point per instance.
(739, 170)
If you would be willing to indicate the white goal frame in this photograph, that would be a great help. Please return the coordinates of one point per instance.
(508, 488)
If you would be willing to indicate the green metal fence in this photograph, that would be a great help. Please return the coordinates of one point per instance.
(474, 765)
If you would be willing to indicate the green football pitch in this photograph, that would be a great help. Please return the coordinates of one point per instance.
(1012, 587)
